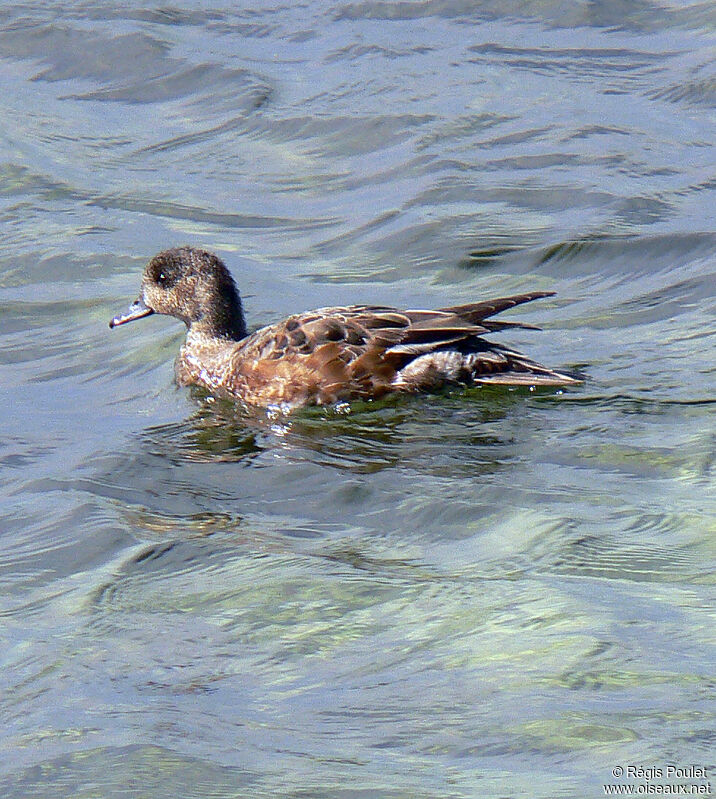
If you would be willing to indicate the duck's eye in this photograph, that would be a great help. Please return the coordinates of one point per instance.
(165, 277)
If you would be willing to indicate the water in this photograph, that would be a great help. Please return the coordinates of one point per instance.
(489, 593)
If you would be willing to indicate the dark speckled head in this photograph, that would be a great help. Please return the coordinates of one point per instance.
(193, 285)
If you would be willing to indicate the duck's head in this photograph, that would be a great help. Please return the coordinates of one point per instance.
(194, 286)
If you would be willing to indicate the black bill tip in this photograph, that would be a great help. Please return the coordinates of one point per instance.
(135, 311)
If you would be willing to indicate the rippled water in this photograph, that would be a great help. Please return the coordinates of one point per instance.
(489, 593)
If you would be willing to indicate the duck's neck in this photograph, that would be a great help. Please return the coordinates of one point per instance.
(224, 319)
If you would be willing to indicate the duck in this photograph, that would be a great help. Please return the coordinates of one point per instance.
(327, 356)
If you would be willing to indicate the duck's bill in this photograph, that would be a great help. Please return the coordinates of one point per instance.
(136, 311)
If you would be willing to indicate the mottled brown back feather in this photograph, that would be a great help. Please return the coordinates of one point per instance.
(359, 351)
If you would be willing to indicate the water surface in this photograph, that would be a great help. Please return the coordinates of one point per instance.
(488, 593)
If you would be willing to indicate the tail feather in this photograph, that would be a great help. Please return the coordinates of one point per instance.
(526, 379)
(478, 311)
(493, 327)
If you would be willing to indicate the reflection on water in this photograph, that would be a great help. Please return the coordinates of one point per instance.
(487, 592)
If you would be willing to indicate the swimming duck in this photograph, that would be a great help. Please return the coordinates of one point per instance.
(328, 355)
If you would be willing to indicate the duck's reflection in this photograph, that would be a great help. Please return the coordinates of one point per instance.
(453, 433)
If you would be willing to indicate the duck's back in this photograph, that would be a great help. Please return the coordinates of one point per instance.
(363, 352)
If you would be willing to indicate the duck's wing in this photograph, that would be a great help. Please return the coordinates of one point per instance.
(463, 355)
(320, 357)
(360, 332)
(336, 353)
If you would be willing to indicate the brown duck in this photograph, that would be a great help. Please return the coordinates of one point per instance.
(331, 354)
